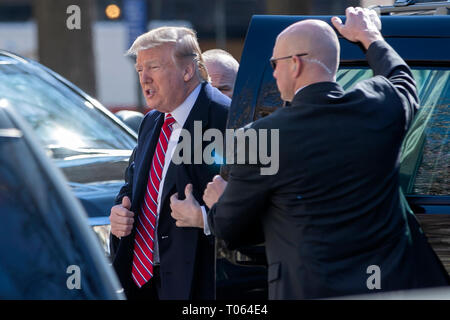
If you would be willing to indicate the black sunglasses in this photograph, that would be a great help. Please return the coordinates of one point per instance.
(273, 61)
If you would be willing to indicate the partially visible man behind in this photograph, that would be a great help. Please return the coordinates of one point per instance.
(334, 219)
(153, 258)
(222, 68)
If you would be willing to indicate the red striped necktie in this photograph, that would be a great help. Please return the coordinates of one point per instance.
(142, 270)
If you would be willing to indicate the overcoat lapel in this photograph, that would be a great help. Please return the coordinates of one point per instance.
(124, 257)
(144, 161)
(199, 112)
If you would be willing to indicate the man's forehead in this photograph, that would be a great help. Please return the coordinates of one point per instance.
(215, 68)
(146, 60)
(221, 77)
(160, 52)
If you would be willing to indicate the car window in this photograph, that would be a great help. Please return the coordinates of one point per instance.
(426, 150)
(425, 159)
(37, 243)
(66, 124)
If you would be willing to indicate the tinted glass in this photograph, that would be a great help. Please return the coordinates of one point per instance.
(425, 164)
(37, 241)
(427, 142)
(66, 124)
(425, 160)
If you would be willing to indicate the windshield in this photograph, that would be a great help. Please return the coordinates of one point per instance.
(65, 123)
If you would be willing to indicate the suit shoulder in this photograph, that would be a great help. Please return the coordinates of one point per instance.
(149, 120)
(218, 116)
(151, 116)
(272, 121)
(219, 108)
(219, 104)
(217, 97)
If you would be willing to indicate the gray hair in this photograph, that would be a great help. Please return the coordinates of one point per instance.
(223, 58)
(184, 39)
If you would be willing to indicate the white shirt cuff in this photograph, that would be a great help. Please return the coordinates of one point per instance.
(206, 230)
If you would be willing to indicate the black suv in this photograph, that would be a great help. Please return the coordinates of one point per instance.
(424, 42)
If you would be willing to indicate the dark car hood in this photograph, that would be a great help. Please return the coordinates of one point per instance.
(95, 180)
(97, 198)
(93, 168)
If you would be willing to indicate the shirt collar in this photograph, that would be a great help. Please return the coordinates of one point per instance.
(216, 95)
(181, 112)
(298, 90)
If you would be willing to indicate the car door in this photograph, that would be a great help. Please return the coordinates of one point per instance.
(425, 163)
(47, 249)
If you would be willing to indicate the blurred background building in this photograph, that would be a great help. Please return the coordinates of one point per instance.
(93, 56)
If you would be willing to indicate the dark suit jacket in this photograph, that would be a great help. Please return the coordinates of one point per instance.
(334, 208)
(187, 255)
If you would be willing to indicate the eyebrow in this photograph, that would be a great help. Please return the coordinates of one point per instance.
(146, 63)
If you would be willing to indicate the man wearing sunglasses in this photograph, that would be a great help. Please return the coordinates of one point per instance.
(334, 219)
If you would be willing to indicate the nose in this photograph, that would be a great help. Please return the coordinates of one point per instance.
(274, 73)
(145, 76)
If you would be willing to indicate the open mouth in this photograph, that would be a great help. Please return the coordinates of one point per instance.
(149, 93)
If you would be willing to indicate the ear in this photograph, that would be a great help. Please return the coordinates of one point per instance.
(297, 66)
(189, 72)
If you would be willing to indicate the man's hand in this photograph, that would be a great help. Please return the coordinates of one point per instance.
(214, 190)
(361, 25)
(187, 212)
(122, 218)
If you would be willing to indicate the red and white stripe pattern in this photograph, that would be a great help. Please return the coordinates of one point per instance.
(142, 270)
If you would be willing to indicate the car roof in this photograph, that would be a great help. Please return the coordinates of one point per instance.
(431, 32)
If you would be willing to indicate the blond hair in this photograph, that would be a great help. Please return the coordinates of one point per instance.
(185, 41)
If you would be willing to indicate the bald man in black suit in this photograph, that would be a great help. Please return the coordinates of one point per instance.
(333, 217)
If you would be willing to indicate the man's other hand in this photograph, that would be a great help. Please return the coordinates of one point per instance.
(214, 190)
(187, 212)
(121, 218)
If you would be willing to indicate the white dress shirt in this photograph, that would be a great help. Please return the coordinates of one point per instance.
(180, 114)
